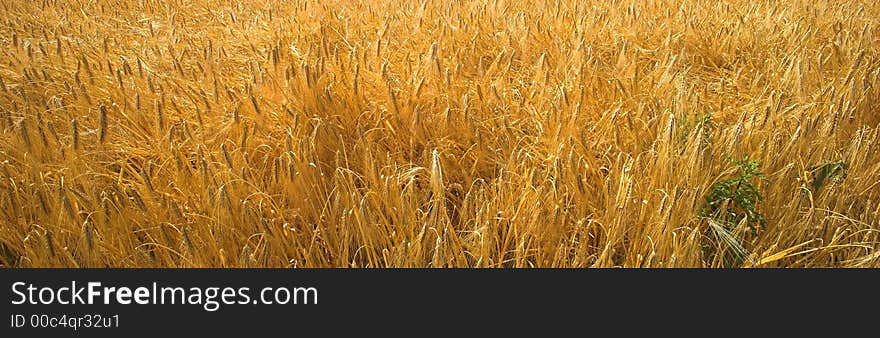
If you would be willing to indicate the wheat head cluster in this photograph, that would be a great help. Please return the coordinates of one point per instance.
(487, 133)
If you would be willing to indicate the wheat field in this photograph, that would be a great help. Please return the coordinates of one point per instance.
(363, 133)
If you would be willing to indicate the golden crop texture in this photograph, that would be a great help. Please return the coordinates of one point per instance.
(361, 133)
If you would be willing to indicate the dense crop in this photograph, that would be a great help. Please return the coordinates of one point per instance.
(439, 133)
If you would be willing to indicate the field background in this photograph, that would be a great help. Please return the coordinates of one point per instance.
(439, 133)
